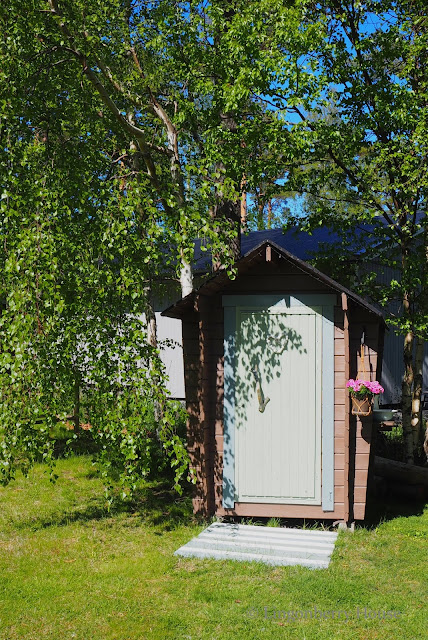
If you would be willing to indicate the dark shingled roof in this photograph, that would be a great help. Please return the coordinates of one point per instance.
(299, 243)
(220, 279)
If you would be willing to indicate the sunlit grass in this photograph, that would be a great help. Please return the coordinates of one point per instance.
(70, 569)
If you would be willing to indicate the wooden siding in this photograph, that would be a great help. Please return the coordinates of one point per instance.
(198, 440)
(347, 500)
(361, 429)
(257, 510)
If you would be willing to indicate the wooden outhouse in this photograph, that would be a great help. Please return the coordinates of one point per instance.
(266, 358)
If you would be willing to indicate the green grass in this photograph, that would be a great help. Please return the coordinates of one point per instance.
(69, 570)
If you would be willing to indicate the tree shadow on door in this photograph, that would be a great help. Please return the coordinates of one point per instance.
(261, 343)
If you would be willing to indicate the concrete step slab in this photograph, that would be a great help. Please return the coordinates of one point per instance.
(270, 545)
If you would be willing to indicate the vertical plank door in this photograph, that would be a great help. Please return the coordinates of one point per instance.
(278, 405)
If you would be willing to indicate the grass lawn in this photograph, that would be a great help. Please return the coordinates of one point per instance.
(70, 570)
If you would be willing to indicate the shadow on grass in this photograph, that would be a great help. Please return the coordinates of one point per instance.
(390, 498)
(155, 504)
(393, 501)
(392, 505)
(159, 505)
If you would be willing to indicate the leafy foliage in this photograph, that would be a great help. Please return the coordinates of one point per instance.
(363, 165)
(129, 128)
(126, 129)
(74, 271)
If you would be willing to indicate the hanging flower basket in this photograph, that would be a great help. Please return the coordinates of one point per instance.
(362, 393)
(361, 406)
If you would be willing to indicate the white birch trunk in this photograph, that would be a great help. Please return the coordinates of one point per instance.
(417, 393)
(406, 397)
(186, 277)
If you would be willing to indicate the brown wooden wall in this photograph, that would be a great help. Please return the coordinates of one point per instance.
(361, 429)
(204, 381)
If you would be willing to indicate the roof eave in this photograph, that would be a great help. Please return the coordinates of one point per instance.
(178, 309)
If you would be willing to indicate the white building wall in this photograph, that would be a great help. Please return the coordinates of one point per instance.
(172, 354)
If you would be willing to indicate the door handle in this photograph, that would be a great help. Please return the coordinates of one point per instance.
(260, 395)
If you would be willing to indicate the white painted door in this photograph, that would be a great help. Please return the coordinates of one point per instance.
(278, 405)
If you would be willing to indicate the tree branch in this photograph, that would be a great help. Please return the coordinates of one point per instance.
(352, 176)
(138, 133)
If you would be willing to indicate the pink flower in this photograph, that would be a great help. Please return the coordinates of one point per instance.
(364, 386)
(375, 387)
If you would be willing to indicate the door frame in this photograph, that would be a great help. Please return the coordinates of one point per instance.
(280, 301)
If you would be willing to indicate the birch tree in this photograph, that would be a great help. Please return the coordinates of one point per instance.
(365, 157)
(126, 130)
